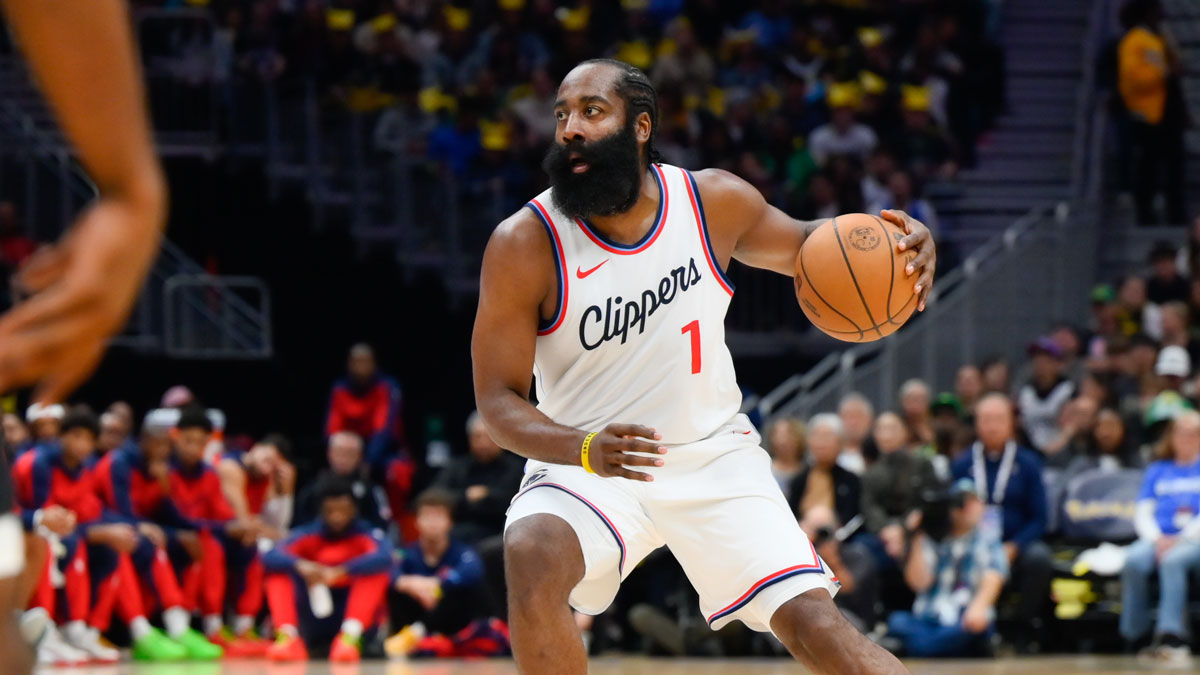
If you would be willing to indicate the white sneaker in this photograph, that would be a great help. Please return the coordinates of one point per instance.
(1175, 656)
(54, 651)
(33, 624)
(87, 640)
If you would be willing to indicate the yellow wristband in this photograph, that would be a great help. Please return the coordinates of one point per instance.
(583, 454)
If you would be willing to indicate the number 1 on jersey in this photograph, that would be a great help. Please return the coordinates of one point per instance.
(694, 329)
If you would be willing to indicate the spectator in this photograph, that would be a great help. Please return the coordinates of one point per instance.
(1008, 479)
(968, 387)
(531, 108)
(114, 432)
(14, 433)
(857, 415)
(687, 67)
(345, 457)
(851, 564)
(996, 375)
(875, 183)
(842, 135)
(902, 195)
(45, 422)
(957, 580)
(1134, 314)
(1108, 449)
(1168, 543)
(1165, 283)
(921, 144)
(1074, 437)
(1042, 398)
(1069, 345)
(1149, 84)
(1172, 368)
(336, 563)
(1175, 329)
(914, 405)
(823, 482)
(950, 434)
(894, 485)
(440, 579)
(367, 402)
(482, 484)
(785, 444)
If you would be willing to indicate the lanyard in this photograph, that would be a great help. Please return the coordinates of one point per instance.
(1002, 474)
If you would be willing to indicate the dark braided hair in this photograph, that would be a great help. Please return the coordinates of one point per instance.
(639, 96)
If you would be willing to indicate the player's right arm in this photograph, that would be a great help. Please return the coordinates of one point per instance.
(516, 280)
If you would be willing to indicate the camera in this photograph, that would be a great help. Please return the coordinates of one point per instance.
(935, 513)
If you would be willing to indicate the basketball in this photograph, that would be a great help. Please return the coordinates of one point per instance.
(850, 279)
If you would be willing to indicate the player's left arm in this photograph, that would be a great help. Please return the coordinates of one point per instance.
(743, 226)
(82, 55)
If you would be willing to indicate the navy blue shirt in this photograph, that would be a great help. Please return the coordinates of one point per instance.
(459, 566)
(1024, 500)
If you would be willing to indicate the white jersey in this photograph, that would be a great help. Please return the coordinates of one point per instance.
(638, 336)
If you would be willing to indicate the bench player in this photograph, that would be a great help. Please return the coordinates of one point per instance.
(611, 288)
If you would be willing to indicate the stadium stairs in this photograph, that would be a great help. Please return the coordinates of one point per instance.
(1025, 160)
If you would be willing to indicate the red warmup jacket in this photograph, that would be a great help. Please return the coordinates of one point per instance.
(196, 493)
(41, 480)
(372, 412)
(131, 494)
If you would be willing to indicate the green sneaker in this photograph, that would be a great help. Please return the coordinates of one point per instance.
(156, 646)
(198, 647)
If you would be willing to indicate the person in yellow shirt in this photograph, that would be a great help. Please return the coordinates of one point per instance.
(1148, 81)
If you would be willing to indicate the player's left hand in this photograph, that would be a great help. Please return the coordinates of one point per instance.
(83, 289)
(920, 240)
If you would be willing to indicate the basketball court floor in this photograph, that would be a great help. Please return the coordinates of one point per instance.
(1055, 665)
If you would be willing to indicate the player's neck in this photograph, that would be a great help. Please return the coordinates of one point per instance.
(631, 226)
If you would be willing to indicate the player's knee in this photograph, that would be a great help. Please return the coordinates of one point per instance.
(537, 556)
(807, 619)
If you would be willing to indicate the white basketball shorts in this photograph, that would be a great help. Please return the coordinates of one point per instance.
(714, 504)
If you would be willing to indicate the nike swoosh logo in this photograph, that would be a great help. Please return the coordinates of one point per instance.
(583, 275)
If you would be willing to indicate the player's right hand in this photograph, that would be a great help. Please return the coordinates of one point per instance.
(609, 453)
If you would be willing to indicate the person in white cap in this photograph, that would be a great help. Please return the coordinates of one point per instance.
(1173, 367)
(44, 421)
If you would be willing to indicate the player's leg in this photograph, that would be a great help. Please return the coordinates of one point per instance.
(568, 540)
(362, 611)
(286, 596)
(15, 655)
(739, 543)
(543, 563)
(816, 633)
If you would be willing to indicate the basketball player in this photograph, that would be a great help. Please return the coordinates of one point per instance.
(611, 288)
(81, 52)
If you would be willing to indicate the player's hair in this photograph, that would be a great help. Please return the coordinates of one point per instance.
(279, 442)
(194, 417)
(80, 417)
(438, 498)
(640, 96)
(333, 487)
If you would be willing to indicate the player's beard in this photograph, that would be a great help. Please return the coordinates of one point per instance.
(611, 184)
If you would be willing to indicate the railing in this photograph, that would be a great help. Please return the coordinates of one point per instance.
(37, 170)
(211, 317)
